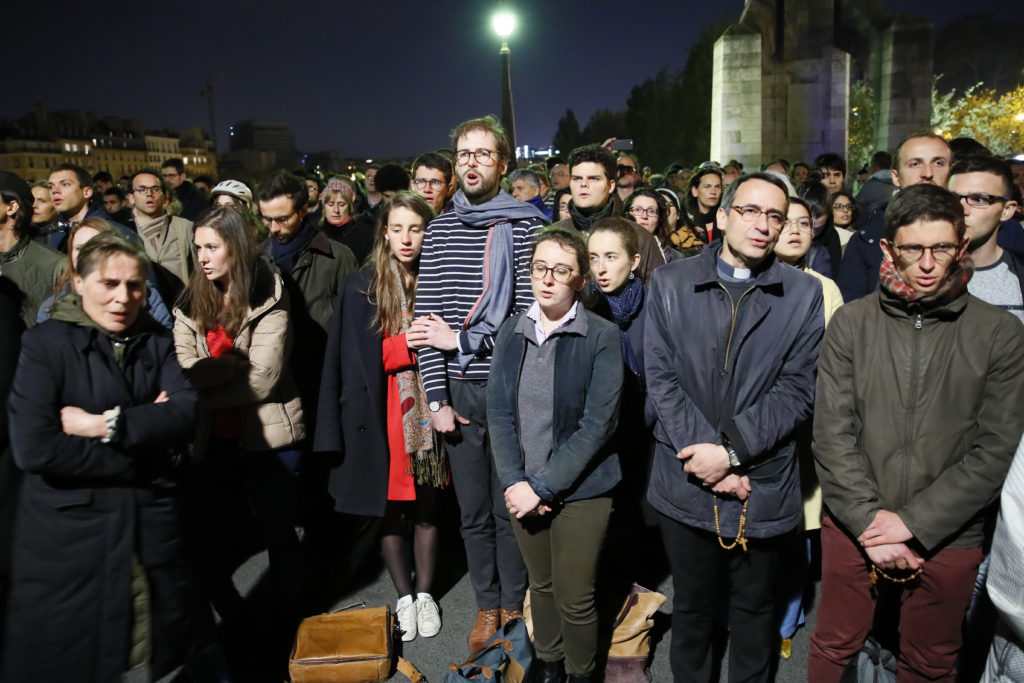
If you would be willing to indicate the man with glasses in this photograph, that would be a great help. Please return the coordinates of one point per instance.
(727, 401)
(312, 267)
(192, 203)
(916, 421)
(923, 158)
(474, 273)
(167, 239)
(431, 177)
(592, 170)
(985, 187)
(526, 187)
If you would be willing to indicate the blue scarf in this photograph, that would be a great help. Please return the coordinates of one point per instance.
(499, 271)
(625, 306)
(286, 254)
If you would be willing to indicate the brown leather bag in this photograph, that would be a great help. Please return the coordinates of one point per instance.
(351, 646)
(631, 640)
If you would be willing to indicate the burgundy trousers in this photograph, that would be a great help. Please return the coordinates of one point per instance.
(932, 609)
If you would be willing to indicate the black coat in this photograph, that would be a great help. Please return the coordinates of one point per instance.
(751, 380)
(87, 507)
(353, 403)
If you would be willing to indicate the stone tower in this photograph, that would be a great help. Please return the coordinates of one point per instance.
(781, 81)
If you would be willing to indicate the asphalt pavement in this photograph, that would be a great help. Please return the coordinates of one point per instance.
(372, 587)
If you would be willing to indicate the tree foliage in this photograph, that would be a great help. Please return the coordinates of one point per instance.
(861, 124)
(994, 120)
(668, 116)
(981, 48)
(568, 135)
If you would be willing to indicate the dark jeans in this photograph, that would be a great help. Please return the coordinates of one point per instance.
(226, 489)
(932, 610)
(703, 574)
(496, 568)
(561, 550)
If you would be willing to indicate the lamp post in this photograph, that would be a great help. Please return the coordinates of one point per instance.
(503, 23)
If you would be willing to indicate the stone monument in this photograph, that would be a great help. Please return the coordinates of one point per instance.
(781, 81)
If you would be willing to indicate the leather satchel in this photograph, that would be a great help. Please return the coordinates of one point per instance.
(351, 646)
(631, 638)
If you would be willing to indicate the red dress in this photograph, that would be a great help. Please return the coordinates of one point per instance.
(397, 357)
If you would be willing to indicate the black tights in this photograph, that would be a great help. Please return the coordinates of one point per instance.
(414, 523)
(424, 550)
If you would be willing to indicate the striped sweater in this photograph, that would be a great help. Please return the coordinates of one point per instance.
(450, 282)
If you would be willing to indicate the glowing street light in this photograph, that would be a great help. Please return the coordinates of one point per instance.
(504, 23)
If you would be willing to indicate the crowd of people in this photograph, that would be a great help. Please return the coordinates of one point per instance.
(773, 374)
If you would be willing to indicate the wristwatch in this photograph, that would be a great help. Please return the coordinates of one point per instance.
(734, 459)
(436, 405)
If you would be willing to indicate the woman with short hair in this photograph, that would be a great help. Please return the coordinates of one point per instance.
(340, 222)
(552, 407)
(99, 414)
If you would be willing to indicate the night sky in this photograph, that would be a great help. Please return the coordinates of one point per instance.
(366, 78)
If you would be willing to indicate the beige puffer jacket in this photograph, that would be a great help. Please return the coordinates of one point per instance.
(261, 390)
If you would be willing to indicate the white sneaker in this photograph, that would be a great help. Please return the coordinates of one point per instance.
(428, 617)
(406, 613)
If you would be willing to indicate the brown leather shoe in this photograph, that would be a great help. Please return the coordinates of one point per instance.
(509, 615)
(487, 621)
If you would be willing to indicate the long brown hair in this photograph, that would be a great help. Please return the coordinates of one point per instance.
(386, 290)
(205, 296)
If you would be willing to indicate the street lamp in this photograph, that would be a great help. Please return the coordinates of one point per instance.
(503, 22)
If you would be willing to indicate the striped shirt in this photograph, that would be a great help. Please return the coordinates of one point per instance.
(451, 281)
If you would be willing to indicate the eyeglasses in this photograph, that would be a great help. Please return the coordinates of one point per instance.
(484, 157)
(283, 220)
(842, 207)
(625, 168)
(749, 214)
(539, 270)
(420, 183)
(638, 211)
(801, 224)
(980, 200)
(148, 189)
(943, 252)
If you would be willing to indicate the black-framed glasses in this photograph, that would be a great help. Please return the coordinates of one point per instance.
(981, 200)
(801, 224)
(484, 157)
(749, 214)
(625, 168)
(420, 183)
(283, 220)
(640, 211)
(148, 189)
(561, 273)
(842, 207)
(943, 252)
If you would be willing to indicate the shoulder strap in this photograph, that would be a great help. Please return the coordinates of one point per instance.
(184, 243)
(409, 670)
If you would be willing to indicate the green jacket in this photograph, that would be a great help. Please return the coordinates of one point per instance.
(918, 412)
(34, 268)
(318, 272)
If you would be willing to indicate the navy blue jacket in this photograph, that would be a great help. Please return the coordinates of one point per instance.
(863, 257)
(587, 387)
(753, 382)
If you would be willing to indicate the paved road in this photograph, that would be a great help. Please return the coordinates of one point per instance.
(454, 594)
